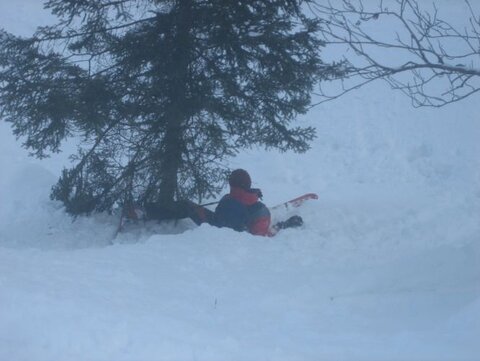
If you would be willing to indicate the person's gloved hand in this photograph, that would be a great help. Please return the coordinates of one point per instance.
(292, 222)
(257, 191)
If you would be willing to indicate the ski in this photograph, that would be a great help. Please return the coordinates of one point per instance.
(129, 213)
(294, 203)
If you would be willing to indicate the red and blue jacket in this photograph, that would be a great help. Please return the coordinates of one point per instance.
(242, 211)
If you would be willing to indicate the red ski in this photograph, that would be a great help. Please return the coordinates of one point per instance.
(294, 203)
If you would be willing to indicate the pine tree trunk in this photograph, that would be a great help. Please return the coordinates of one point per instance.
(179, 112)
(171, 164)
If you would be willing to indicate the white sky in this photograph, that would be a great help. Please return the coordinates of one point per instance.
(23, 16)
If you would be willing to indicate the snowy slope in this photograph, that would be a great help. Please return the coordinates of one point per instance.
(386, 266)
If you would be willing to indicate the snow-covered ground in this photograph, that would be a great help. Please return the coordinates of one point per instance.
(386, 266)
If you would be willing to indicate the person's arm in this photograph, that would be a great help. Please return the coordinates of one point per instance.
(260, 220)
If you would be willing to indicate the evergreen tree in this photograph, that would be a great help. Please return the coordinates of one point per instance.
(159, 92)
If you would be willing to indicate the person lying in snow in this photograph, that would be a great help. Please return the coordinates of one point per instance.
(240, 210)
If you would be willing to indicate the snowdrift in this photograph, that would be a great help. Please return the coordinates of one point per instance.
(384, 268)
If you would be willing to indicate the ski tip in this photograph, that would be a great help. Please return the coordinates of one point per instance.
(306, 196)
(296, 202)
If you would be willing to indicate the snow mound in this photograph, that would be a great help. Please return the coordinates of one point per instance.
(385, 266)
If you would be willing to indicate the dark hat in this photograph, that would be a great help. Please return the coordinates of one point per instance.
(240, 178)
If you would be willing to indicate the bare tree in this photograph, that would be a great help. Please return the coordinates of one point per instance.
(429, 59)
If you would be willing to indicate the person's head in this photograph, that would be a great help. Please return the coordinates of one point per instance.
(240, 178)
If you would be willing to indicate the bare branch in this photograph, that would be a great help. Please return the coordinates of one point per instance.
(416, 52)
